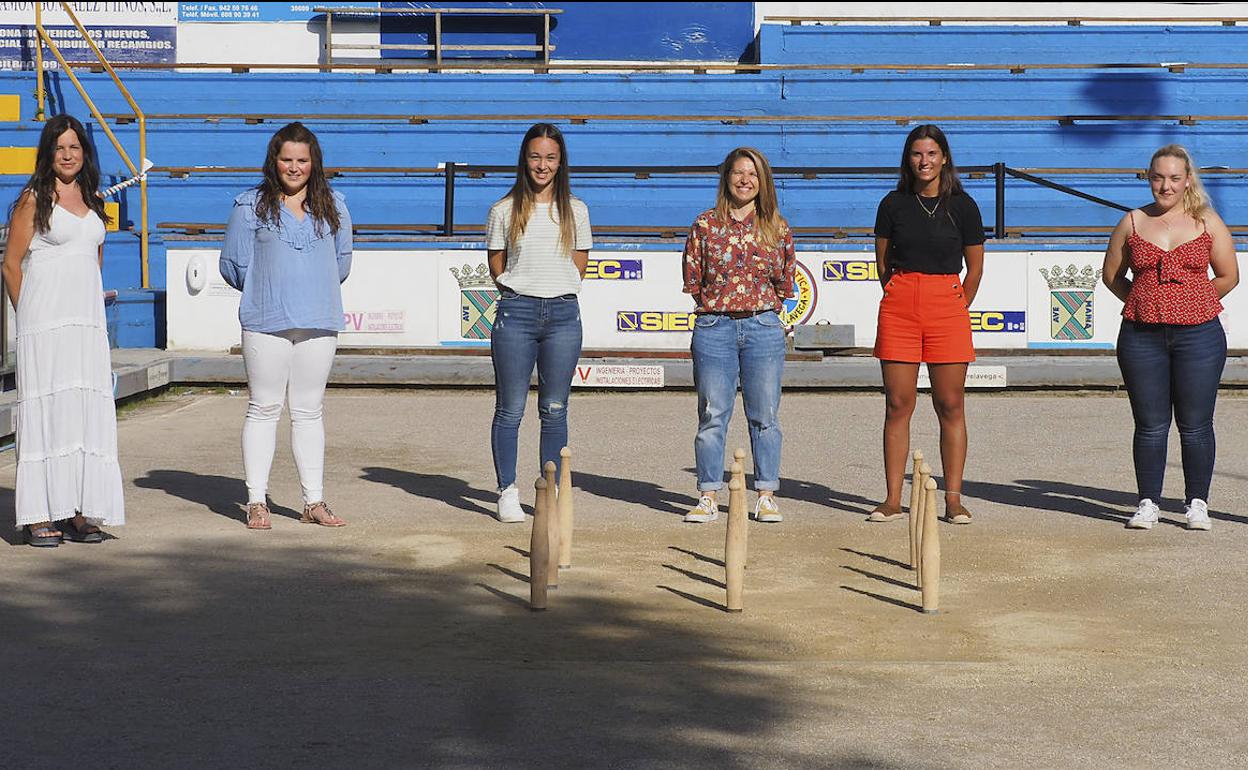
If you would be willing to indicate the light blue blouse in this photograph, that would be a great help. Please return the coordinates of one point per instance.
(290, 275)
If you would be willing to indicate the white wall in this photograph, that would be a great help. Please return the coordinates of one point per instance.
(285, 42)
(1194, 11)
(413, 299)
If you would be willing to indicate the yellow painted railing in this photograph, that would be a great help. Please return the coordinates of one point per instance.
(139, 117)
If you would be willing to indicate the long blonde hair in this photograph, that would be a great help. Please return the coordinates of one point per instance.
(769, 226)
(523, 195)
(1195, 200)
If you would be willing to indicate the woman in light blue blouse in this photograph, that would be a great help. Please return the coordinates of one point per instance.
(288, 250)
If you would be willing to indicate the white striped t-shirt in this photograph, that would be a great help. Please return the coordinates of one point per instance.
(536, 266)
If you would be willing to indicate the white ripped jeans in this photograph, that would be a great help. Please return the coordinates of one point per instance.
(297, 360)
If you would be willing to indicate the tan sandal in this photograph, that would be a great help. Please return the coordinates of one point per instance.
(258, 516)
(884, 512)
(319, 513)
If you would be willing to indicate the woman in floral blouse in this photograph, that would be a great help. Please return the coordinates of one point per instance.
(738, 265)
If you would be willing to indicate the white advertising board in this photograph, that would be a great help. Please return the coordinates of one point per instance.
(633, 300)
(617, 376)
(390, 299)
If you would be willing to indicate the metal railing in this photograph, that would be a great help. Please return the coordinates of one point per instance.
(451, 172)
(255, 118)
(696, 67)
(437, 46)
(138, 115)
(1070, 21)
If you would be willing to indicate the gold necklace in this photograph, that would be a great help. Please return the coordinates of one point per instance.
(931, 213)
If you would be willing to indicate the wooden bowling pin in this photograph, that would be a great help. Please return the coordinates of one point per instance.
(539, 548)
(916, 510)
(931, 552)
(565, 508)
(552, 527)
(925, 473)
(735, 544)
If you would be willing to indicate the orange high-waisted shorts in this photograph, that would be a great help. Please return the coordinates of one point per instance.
(923, 318)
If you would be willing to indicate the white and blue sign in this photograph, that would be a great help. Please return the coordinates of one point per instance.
(230, 12)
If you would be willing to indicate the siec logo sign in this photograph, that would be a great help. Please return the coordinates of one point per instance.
(613, 270)
(1008, 321)
(653, 321)
(850, 270)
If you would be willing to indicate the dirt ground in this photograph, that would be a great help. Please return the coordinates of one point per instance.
(403, 640)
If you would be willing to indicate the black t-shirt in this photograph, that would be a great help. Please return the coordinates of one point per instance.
(927, 235)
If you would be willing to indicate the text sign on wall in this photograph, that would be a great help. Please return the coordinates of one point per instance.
(226, 12)
(977, 378)
(124, 32)
(617, 376)
(374, 321)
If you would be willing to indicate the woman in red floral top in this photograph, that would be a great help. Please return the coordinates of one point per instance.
(1171, 346)
(738, 265)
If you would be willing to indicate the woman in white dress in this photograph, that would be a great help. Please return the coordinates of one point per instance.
(68, 480)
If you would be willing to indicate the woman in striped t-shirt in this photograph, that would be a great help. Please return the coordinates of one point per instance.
(538, 240)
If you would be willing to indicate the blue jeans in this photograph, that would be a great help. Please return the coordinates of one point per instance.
(727, 351)
(528, 331)
(1172, 369)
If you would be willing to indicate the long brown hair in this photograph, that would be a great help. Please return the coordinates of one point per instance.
(949, 182)
(42, 183)
(769, 226)
(319, 201)
(523, 195)
(1195, 200)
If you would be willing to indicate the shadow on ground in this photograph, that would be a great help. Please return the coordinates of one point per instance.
(223, 495)
(264, 655)
(435, 486)
(1111, 505)
(807, 492)
(635, 492)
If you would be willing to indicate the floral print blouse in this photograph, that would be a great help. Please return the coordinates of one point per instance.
(726, 267)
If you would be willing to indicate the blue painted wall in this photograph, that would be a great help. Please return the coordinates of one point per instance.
(999, 44)
(588, 31)
(654, 142)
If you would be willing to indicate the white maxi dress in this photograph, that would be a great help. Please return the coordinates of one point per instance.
(66, 419)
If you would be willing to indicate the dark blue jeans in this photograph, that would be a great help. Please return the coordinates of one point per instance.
(1170, 369)
(532, 331)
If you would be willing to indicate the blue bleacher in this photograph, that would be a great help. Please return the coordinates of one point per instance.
(846, 201)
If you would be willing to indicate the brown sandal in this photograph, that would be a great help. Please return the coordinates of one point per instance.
(258, 516)
(884, 512)
(319, 513)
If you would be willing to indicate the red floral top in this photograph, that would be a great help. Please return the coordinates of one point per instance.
(1171, 287)
(731, 272)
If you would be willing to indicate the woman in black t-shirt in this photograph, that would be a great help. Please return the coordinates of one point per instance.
(925, 230)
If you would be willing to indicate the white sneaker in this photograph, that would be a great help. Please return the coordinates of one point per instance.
(1197, 513)
(1145, 515)
(509, 510)
(765, 510)
(707, 510)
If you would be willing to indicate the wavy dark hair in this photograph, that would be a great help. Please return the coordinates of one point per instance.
(949, 182)
(42, 183)
(523, 195)
(319, 201)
